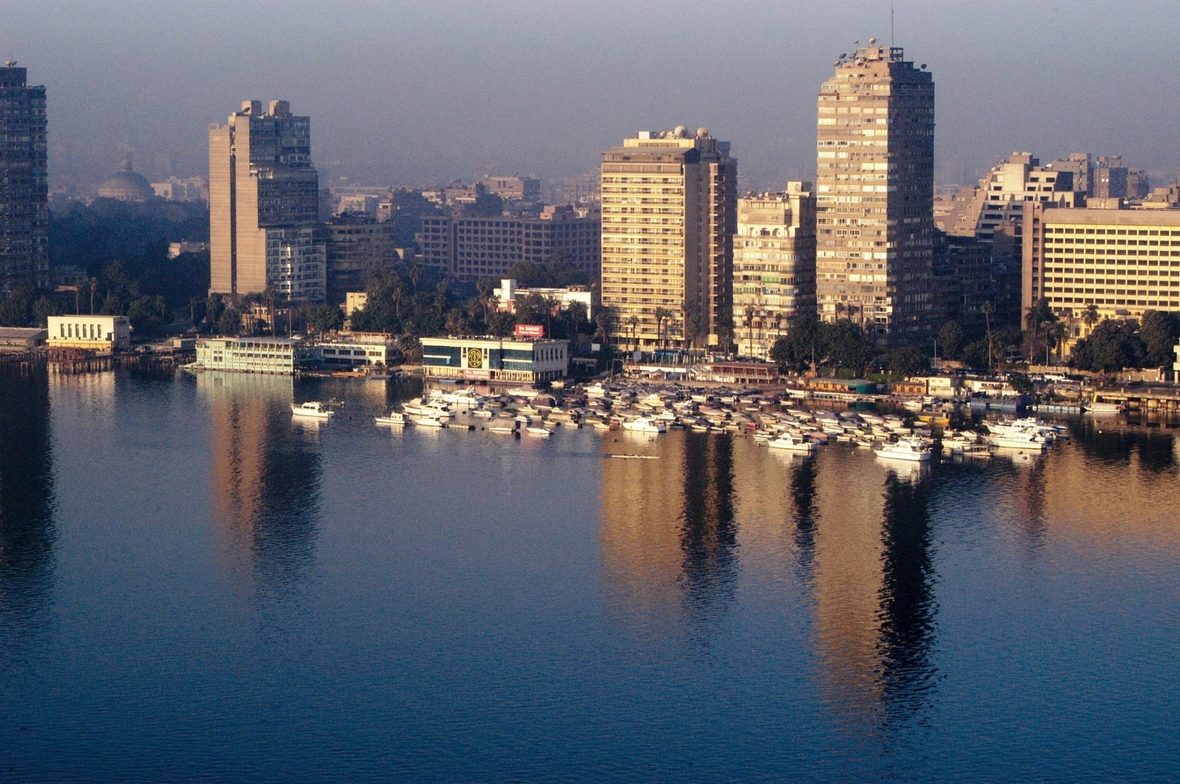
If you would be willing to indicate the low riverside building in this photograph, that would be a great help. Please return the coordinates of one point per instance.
(21, 338)
(280, 356)
(495, 359)
(509, 294)
(358, 351)
(92, 333)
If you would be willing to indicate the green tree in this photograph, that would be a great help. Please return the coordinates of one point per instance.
(324, 318)
(149, 316)
(501, 323)
(229, 322)
(950, 340)
(1160, 332)
(1114, 344)
(44, 307)
(908, 362)
(662, 316)
(1021, 383)
(847, 345)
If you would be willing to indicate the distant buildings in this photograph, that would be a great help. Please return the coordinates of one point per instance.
(1000, 196)
(92, 333)
(773, 266)
(514, 188)
(357, 247)
(473, 247)
(183, 189)
(874, 189)
(126, 185)
(669, 213)
(1121, 262)
(24, 182)
(264, 205)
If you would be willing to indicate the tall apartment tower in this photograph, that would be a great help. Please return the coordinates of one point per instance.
(875, 195)
(669, 213)
(773, 266)
(264, 205)
(24, 182)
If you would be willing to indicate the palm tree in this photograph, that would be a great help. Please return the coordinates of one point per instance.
(662, 315)
(1055, 334)
(750, 328)
(987, 309)
(1090, 317)
(633, 322)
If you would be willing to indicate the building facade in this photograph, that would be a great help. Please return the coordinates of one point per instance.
(358, 351)
(280, 356)
(92, 333)
(24, 182)
(1120, 262)
(509, 293)
(874, 192)
(358, 246)
(495, 359)
(773, 266)
(475, 247)
(1001, 195)
(669, 212)
(264, 206)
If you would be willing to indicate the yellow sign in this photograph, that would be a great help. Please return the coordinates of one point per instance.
(475, 357)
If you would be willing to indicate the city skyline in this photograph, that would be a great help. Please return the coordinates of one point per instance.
(418, 95)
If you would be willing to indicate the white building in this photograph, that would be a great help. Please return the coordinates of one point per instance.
(509, 293)
(495, 359)
(94, 333)
(358, 351)
(255, 355)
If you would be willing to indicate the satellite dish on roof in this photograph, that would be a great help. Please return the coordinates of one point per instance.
(680, 131)
(872, 41)
(923, 66)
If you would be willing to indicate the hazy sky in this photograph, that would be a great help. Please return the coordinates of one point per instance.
(416, 93)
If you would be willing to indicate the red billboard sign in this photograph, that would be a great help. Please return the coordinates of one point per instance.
(530, 331)
(477, 375)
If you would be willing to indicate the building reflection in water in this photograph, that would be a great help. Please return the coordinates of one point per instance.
(669, 537)
(27, 530)
(265, 481)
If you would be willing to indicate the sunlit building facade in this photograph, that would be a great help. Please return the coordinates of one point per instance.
(669, 212)
(874, 191)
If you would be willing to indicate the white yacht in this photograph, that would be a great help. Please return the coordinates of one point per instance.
(645, 425)
(428, 421)
(435, 409)
(1015, 437)
(915, 449)
(792, 444)
(394, 418)
(312, 409)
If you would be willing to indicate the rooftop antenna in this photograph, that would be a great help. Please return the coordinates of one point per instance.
(891, 24)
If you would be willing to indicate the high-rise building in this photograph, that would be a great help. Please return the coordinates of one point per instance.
(1121, 262)
(875, 192)
(264, 205)
(669, 212)
(24, 182)
(773, 266)
(1001, 195)
(358, 247)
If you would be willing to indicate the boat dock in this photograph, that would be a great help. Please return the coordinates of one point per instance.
(1161, 400)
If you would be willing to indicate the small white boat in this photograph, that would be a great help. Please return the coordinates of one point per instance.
(915, 449)
(540, 432)
(312, 409)
(645, 425)
(428, 421)
(507, 429)
(394, 418)
(790, 443)
(482, 413)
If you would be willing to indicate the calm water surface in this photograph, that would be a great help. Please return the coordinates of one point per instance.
(195, 587)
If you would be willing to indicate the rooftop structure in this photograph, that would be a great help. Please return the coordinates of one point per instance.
(126, 185)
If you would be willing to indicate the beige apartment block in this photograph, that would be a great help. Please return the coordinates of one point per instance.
(874, 192)
(669, 212)
(773, 266)
(263, 206)
(1121, 262)
(1000, 196)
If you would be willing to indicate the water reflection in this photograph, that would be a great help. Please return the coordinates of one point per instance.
(1114, 442)
(669, 535)
(907, 605)
(806, 513)
(708, 535)
(265, 481)
(26, 501)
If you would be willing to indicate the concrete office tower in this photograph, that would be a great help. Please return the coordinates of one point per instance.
(669, 212)
(263, 205)
(773, 266)
(875, 195)
(24, 182)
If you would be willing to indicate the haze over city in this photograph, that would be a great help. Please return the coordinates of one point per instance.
(419, 93)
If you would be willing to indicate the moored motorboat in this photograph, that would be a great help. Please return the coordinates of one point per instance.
(913, 449)
(312, 409)
(394, 418)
